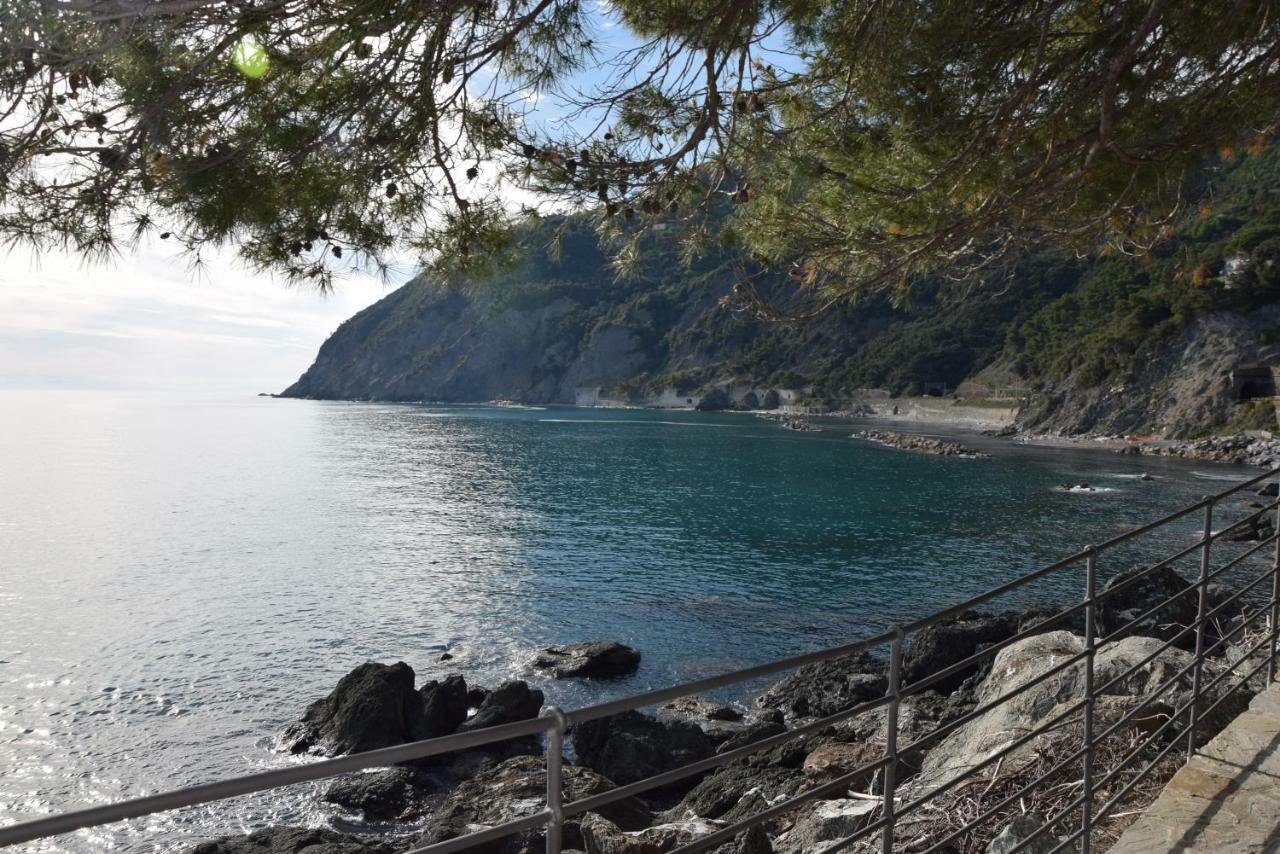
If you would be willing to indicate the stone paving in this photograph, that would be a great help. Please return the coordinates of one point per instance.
(1226, 800)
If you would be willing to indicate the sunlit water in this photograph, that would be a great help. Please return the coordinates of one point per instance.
(180, 577)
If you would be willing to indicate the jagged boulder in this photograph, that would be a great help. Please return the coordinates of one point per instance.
(378, 795)
(1123, 600)
(444, 704)
(725, 788)
(511, 701)
(632, 746)
(822, 822)
(941, 645)
(601, 836)
(1018, 831)
(1024, 661)
(826, 687)
(373, 706)
(589, 659)
(293, 840)
(766, 724)
(517, 788)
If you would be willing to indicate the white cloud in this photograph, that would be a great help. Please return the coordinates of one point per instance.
(146, 321)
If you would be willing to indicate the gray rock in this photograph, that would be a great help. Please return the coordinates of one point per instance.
(1018, 831)
(822, 822)
(753, 840)
(631, 746)
(1028, 659)
(601, 836)
(826, 687)
(373, 706)
(589, 659)
(293, 840)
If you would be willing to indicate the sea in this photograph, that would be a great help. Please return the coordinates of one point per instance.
(180, 575)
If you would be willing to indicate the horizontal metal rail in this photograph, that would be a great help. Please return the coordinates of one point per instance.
(554, 721)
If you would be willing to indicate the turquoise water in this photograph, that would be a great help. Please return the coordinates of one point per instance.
(180, 576)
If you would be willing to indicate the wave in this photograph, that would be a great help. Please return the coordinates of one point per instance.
(1207, 475)
(1086, 489)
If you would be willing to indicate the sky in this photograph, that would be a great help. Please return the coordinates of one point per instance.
(147, 322)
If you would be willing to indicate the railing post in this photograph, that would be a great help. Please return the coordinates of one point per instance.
(555, 770)
(1275, 595)
(1201, 609)
(1090, 634)
(894, 694)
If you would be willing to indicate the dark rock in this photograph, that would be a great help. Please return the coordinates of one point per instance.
(590, 659)
(293, 840)
(691, 708)
(1116, 609)
(753, 840)
(510, 702)
(826, 687)
(716, 399)
(373, 706)
(631, 746)
(446, 656)
(1044, 619)
(768, 724)
(476, 695)
(444, 705)
(941, 645)
(1270, 490)
(517, 788)
(720, 792)
(378, 795)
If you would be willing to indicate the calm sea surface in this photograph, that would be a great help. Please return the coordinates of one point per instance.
(179, 577)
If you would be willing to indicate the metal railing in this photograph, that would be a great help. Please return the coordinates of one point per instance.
(895, 800)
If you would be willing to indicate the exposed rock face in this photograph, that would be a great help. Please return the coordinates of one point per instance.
(444, 705)
(510, 702)
(631, 746)
(589, 659)
(826, 687)
(939, 646)
(373, 706)
(517, 788)
(1182, 387)
(377, 795)
(293, 840)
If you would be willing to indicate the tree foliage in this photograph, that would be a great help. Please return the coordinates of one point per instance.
(859, 144)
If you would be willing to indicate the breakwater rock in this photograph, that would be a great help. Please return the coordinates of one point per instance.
(1241, 449)
(919, 444)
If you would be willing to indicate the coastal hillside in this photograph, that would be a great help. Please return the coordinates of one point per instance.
(1178, 342)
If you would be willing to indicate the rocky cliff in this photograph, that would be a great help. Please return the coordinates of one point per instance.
(1149, 344)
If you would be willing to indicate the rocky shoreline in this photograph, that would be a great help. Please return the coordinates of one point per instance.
(421, 803)
(919, 444)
